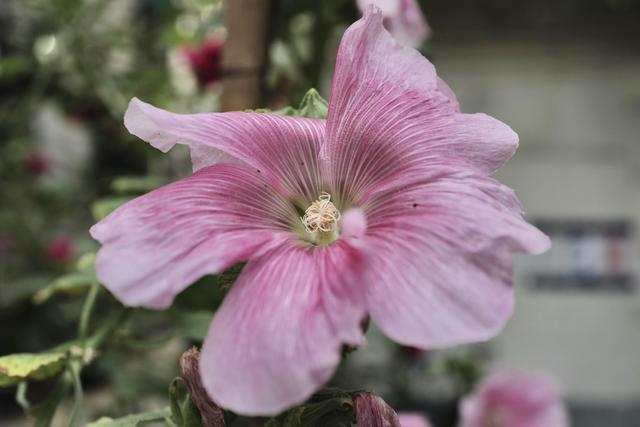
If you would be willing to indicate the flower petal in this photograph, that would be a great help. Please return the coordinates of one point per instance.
(280, 330)
(441, 254)
(285, 148)
(158, 244)
(445, 90)
(389, 114)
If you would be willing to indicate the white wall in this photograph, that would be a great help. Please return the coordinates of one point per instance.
(577, 111)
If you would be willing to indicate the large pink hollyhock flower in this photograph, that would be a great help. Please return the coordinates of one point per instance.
(512, 399)
(400, 221)
(403, 18)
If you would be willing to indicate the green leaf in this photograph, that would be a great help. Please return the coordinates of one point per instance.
(177, 393)
(191, 414)
(12, 66)
(136, 184)
(30, 366)
(192, 325)
(286, 111)
(328, 407)
(313, 106)
(72, 283)
(103, 207)
(228, 277)
(184, 412)
(132, 420)
(87, 262)
(101, 422)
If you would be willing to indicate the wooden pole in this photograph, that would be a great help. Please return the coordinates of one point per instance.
(245, 53)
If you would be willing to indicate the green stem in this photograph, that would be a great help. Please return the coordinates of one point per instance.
(75, 364)
(85, 315)
(75, 367)
(21, 396)
(107, 329)
(45, 412)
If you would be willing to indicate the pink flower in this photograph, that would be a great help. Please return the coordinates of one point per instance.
(409, 419)
(205, 60)
(60, 250)
(400, 222)
(511, 399)
(403, 19)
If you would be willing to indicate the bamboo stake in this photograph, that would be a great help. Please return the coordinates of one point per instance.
(245, 53)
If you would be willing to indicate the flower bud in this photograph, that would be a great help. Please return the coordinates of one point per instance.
(210, 413)
(313, 106)
(372, 411)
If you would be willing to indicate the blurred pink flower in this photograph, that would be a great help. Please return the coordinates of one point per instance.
(60, 250)
(512, 399)
(205, 60)
(401, 223)
(35, 163)
(409, 419)
(403, 18)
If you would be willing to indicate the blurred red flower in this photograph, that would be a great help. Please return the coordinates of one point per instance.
(60, 250)
(205, 60)
(35, 163)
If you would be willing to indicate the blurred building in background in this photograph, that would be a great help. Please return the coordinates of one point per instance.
(565, 76)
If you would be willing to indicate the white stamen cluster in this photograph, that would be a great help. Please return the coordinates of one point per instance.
(321, 216)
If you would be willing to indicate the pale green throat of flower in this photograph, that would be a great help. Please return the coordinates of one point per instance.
(321, 220)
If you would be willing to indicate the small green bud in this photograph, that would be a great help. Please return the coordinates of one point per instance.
(313, 106)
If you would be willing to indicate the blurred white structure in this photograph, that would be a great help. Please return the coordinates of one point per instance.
(576, 108)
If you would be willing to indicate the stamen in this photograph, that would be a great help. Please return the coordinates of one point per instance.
(322, 216)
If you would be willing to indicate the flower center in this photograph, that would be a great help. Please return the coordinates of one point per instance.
(321, 220)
